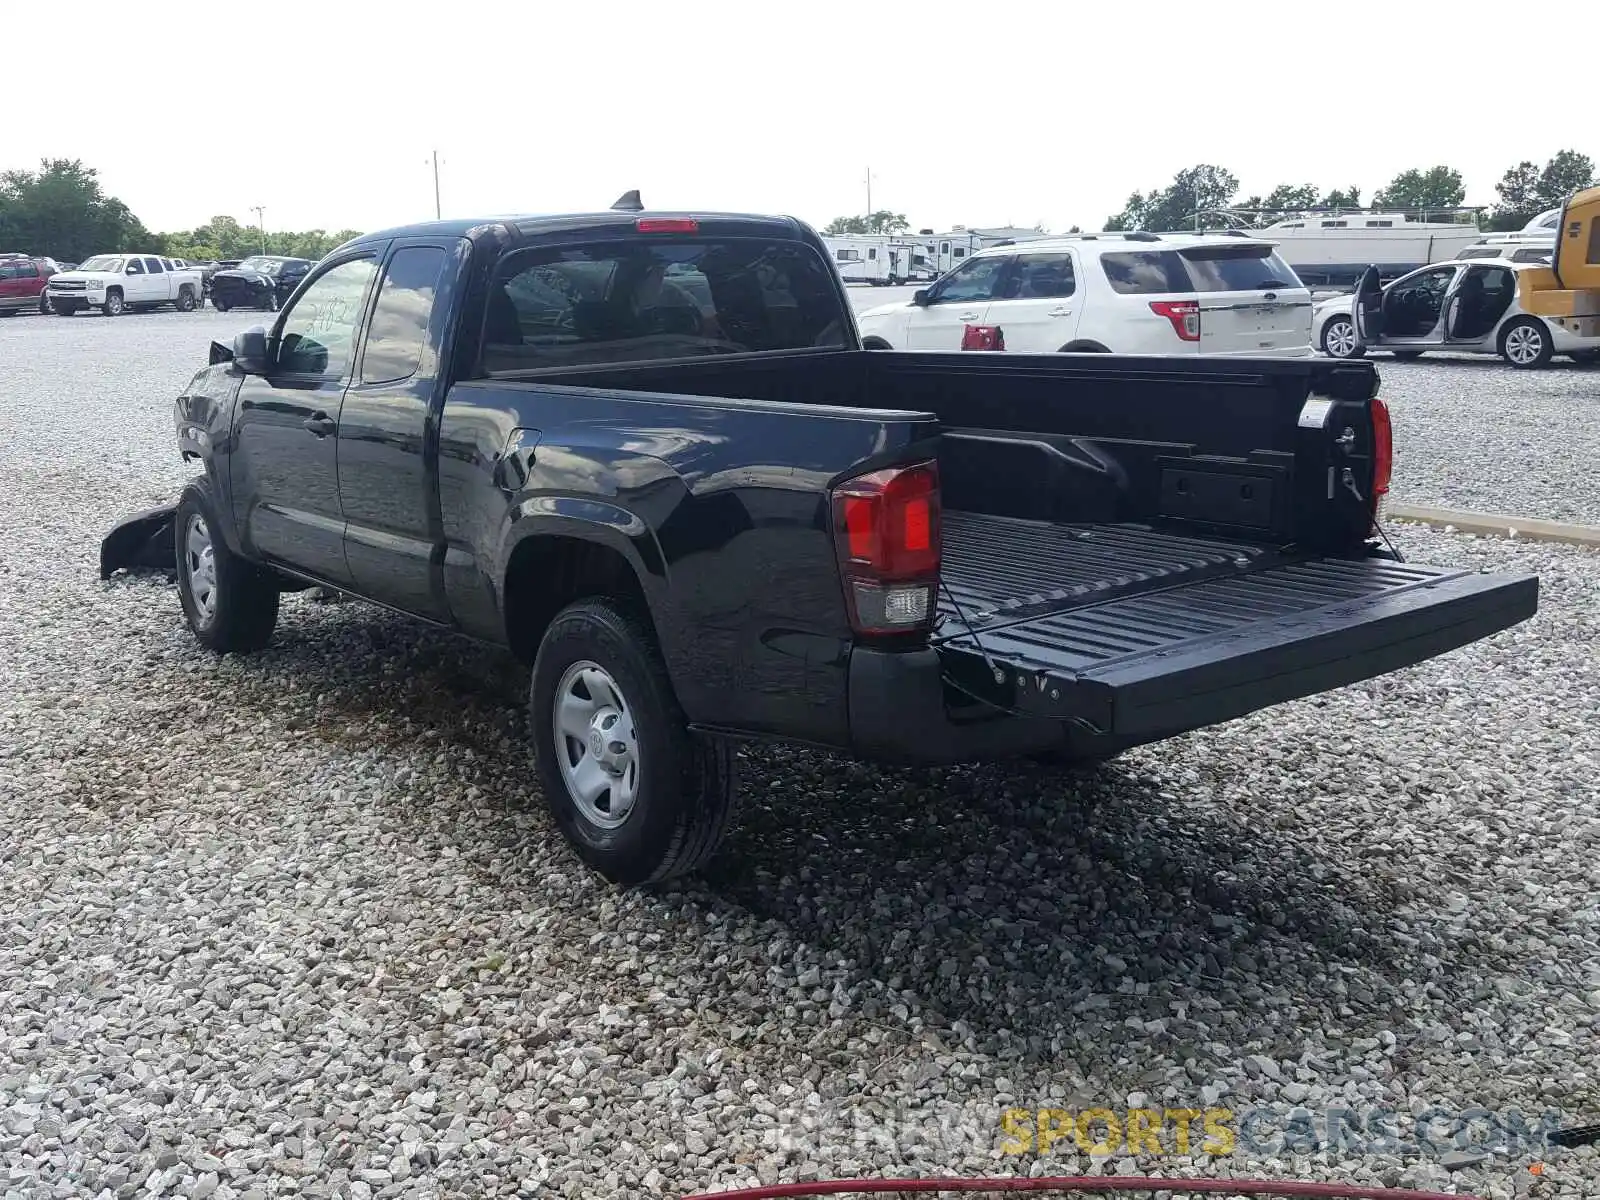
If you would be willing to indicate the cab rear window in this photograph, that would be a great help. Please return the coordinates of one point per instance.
(633, 300)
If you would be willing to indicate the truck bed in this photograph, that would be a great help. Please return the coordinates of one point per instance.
(1134, 632)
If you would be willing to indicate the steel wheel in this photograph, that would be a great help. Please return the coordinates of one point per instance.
(202, 561)
(1339, 338)
(597, 746)
(113, 305)
(1525, 344)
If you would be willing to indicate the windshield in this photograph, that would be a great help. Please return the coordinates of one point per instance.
(1247, 268)
(630, 300)
(266, 266)
(102, 262)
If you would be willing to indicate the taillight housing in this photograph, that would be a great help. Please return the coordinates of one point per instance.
(1382, 455)
(1184, 315)
(667, 225)
(886, 532)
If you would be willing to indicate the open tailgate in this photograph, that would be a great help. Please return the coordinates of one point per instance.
(1162, 634)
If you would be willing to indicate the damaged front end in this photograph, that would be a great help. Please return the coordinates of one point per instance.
(143, 541)
(203, 414)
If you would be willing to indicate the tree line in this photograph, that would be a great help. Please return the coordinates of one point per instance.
(1524, 191)
(60, 211)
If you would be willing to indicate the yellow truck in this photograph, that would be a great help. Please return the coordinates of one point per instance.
(1567, 292)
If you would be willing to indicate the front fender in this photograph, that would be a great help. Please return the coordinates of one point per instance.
(203, 417)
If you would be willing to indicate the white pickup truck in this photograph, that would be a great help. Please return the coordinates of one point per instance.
(118, 283)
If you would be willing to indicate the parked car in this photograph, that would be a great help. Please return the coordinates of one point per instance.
(1522, 252)
(700, 512)
(118, 283)
(1135, 293)
(22, 283)
(261, 281)
(1469, 307)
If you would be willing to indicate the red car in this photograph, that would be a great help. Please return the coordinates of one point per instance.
(22, 281)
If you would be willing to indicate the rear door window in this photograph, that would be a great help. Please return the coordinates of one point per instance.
(153, 266)
(1244, 268)
(1145, 272)
(637, 300)
(399, 327)
(1041, 276)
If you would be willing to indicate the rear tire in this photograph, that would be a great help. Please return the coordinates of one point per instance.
(1339, 340)
(231, 605)
(668, 796)
(185, 300)
(1525, 343)
(220, 305)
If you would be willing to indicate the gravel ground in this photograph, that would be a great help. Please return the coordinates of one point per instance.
(296, 925)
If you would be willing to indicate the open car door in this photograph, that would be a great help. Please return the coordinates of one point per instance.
(1368, 309)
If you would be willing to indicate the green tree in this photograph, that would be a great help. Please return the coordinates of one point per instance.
(1289, 197)
(1564, 174)
(882, 221)
(1435, 188)
(1519, 197)
(61, 211)
(1347, 198)
(1527, 189)
(1192, 190)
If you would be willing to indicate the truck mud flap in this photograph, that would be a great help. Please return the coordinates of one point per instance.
(1195, 653)
(143, 540)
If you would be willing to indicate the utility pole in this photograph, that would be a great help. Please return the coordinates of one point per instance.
(260, 211)
(869, 191)
(437, 212)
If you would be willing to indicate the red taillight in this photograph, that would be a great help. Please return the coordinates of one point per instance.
(1382, 453)
(886, 528)
(666, 225)
(982, 337)
(1184, 315)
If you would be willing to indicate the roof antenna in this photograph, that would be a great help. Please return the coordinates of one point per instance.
(629, 202)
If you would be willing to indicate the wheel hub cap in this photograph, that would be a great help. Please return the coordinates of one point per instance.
(597, 747)
(201, 559)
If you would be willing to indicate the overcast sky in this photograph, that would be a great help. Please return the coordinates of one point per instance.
(975, 113)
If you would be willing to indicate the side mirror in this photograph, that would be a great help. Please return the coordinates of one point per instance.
(131, 271)
(250, 351)
(920, 297)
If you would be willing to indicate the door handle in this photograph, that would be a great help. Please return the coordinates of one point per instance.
(1060, 312)
(321, 424)
(966, 316)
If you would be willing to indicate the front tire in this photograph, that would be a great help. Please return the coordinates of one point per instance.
(1525, 343)
(231, 605)
(113, 307)
(1339, 339)
(219, 305)
(639, 798)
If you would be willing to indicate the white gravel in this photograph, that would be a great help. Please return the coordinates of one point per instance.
(1476, 433)
(296, 925)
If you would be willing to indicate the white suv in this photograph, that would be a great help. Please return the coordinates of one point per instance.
(1117, 293)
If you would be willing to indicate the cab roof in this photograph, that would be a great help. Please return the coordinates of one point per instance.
(527, 226)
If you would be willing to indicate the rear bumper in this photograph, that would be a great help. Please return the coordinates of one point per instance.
(901, 711)
(952, 704)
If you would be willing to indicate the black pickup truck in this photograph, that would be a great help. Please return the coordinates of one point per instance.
(646, 452)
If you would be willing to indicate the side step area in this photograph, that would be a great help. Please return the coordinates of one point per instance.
(1190, 654)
